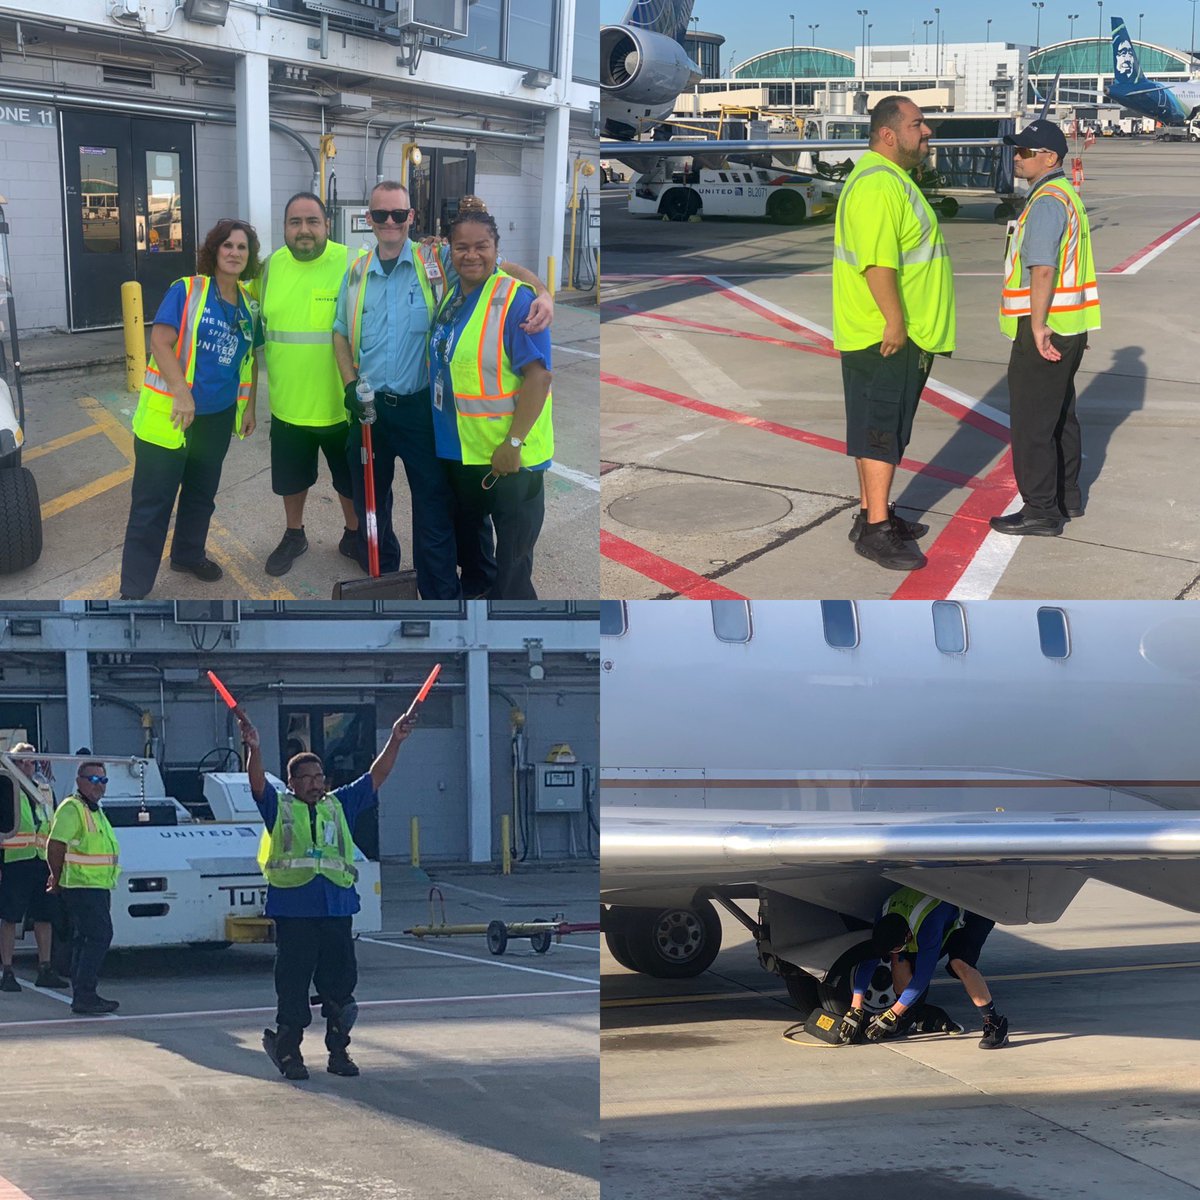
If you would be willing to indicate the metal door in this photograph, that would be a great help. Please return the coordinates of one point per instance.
(436, 187)
(129, 195)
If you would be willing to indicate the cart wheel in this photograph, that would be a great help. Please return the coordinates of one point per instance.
(1002, 211)
(541, 940)
(497, 937)
(949, 206)
(20, 520)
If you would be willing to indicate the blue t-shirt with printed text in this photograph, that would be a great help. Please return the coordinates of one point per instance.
(224, 337)
(522, 349)
(319, 897)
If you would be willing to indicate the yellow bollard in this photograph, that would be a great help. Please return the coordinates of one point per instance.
(506, 844)
(415, 839)
(550, 274)
(135, 335)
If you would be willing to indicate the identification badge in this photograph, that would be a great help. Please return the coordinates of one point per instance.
(330, 834)
(437, 393)
(1010, 233)
(433, 269)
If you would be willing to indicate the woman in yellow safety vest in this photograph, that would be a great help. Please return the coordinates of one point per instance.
(490, 381)
(198, 392)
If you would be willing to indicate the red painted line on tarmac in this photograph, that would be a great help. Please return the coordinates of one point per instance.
(605, 467)
(956, 546)
(10, 1191)
(774, 317)
(1134, 259)
(688, 584)
(968, 416)
(788, 431)
(806, 347)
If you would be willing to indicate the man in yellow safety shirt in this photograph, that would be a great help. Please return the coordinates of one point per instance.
(307, 856)
(298, 292)
(23, 894)
(893, 310)
(1048, 304)
(82, 856)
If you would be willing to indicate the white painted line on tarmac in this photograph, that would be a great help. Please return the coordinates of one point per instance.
(991, 560)
(577, 477)
(490, 961)
(111, 1018)
(573, 350)
(458, 887)
(10, 1191)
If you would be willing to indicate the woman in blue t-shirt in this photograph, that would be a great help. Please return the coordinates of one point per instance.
(204, 412)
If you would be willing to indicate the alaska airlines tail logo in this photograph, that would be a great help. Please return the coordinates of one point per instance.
(1131, 86)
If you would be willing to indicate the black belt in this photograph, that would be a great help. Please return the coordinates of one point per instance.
(394, 398)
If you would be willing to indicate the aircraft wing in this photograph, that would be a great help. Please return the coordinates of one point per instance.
(627, 150)
(990, 862)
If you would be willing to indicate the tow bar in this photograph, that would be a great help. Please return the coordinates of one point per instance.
(540, 931)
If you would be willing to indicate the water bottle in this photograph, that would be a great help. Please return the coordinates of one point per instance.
(366, 397)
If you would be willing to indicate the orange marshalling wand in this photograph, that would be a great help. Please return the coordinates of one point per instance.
(429, 682)
(222, 690)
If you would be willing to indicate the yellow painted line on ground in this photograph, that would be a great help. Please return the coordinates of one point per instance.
(112, 429)
(88, 492)
(68, 439)
(651, 1001)
(232, 555)
(108, 588)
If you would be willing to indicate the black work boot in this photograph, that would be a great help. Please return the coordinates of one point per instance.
(291, 546)
(340, 1063)
(884, 546)
(8, 981)
(48, 977)
(908, 530)
(995, 1032)
(283, 1049)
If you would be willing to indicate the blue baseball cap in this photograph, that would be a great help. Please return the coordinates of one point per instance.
(1040, 135)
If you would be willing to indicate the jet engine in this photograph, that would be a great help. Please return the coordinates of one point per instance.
(643, 67)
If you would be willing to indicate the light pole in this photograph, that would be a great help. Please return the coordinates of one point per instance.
(1140, 16)
(1072, 17)
(1192, 39)
(812, 41)
(870, 26)
(1039, 5)
(862, 12)
(937, 12)
(988, 34)
(792, 61)
(1100, 52)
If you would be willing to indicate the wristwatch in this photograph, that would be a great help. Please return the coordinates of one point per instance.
(515, 442)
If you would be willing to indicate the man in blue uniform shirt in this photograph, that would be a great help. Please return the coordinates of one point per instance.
(307, 857)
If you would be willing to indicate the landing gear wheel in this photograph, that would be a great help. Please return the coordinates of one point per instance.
(785, 208)
(618, 945)
(541, 940)
(497, 937)
(673, 943)
(803, 990)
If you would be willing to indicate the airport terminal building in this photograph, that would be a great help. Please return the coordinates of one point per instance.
(130, 126)
(519, 681)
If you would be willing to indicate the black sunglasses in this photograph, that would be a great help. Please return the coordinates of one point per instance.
(380, 215)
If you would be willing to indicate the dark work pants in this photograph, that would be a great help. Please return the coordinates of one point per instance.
(516, 505)
(404, 430)
(312, 951)
(90, 910)
(1045, 430)
(192, 472)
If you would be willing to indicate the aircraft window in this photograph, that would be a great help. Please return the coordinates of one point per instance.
(841, 623)
(1052, 629)
(950, 627)
(731, 620)
(613, 621)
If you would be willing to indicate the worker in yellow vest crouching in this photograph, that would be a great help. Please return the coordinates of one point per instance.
(199, 391)
(490, 380)
(307, 856)
(82, 856)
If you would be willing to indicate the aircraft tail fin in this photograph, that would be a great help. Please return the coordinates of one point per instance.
(669, 17)
(1127, 71)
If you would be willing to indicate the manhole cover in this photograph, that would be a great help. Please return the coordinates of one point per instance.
(700, 508)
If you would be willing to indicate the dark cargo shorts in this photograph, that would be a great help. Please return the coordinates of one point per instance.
(294, 451)
(881, 399)
(966, 942)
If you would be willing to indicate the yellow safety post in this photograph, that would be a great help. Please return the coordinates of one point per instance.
(135, 335)
(415, 839)
(327, 150)
(506, 844)
(581, 166)
(410, 153)
(550, 274)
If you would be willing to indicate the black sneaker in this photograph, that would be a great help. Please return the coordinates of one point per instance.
(94, 1006)
(995, 1033)
(205, 569)
(346, 546)
(908, 530)
(292, 545)
(8, 982)
(887, 548)
(48, 977)
(340, 1063)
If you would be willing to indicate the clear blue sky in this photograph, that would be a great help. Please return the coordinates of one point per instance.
(762, 25)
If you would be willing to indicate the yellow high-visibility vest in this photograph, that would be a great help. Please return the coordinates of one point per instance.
(288, 855)
(431, 275)
(298, 310)
(28, 840)
(92, 857)
(1075, 302)
(152, 420)
(914, 907)
(486, 386)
